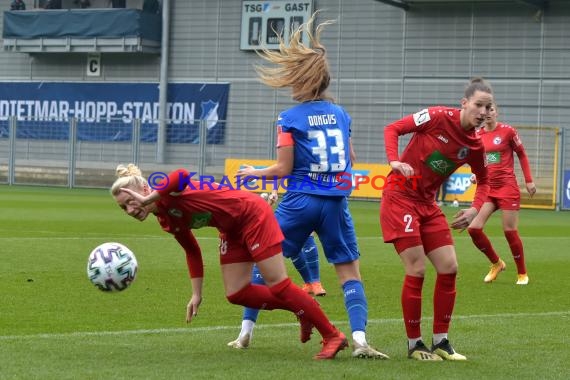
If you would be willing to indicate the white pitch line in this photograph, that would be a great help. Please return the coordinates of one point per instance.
(84, 334)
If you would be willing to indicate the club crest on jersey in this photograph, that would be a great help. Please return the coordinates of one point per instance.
(497, 140)
(175, 212)
(463, 152)
(421, 117)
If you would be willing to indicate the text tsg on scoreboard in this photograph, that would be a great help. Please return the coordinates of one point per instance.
(262, 22)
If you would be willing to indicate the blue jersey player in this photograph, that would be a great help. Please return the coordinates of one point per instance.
(314, 153)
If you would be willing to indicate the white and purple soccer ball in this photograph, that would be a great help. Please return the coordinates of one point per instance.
(112, 267)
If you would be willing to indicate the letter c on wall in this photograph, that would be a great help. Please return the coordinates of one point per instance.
(93, 65)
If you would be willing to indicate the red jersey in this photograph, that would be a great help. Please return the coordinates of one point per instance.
(500, 144)
(226, 209)
(439, 146)
(233, 212)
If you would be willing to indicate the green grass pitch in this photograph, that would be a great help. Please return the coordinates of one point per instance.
(54, 324)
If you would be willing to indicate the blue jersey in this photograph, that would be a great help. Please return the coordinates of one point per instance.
(321, 131)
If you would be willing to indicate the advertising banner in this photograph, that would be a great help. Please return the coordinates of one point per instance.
(105, 111)
(368, 180)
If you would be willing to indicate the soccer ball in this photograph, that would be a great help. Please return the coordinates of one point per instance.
(455, 203)
(112, 267)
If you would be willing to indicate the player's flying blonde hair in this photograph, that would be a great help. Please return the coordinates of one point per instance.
(129, 176)
(303, 68)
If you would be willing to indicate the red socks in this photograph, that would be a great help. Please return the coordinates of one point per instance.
(412, 305)
(517, 250)
(304, 306)
(484, 245)
(482, 242)
(443, 302)
(287, 296)
(256, 297)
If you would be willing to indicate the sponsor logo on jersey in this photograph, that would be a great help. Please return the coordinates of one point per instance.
(200, 220)
(440, 164)
(493, 158)
(421, 117)
(442, 138)
(497, 140)
(255, 246)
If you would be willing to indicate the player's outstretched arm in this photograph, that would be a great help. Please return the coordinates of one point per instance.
(195, 300)
(463, 218)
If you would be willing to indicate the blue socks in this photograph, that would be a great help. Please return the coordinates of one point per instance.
(256, 278)
(311, 255)
(300, 264)
(356, 304)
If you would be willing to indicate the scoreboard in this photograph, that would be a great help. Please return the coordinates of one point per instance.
(262, 22)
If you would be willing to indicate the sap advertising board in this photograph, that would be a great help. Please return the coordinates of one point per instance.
(105, 111)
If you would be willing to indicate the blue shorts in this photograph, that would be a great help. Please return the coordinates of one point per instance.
(300, 214)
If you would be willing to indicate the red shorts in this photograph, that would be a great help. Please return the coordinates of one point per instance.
(259, 238)
(505, 203)
(403, 218)
(506, 197)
